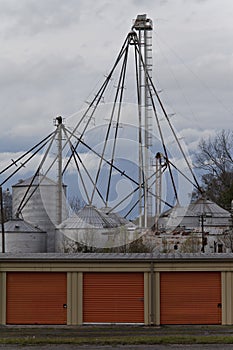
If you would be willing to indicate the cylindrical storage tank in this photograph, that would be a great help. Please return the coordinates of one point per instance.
(87, 228)
(92, 228)
(202, 212)
(42, 207)
(22, 237)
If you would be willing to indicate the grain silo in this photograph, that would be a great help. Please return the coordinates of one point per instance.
(119, 220)
(200, 214)
(22, 237)
(37, 203)
(92, 228)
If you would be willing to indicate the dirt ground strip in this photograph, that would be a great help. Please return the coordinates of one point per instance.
(62, 333)
(118, 347)
(113, 330)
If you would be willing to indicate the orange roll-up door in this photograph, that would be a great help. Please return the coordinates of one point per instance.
(36, 298)
(190, 298)
(113, 297)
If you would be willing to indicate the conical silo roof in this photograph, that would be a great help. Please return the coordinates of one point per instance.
(74, 222)
(118, 219)
(19, 225)
(114, 216)
(38, 180)
(91, 215)
(205, 206)
(195, 209)
(88, 217)
(201, 212)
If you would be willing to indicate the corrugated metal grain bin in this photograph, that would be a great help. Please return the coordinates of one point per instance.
(42, 207)
(91, 227)
(201, 212)
(22, 237)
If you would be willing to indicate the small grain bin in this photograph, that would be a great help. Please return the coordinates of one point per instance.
(202, 212)
(22, 237)
(88, 228)
(201, 220)
(91, 229)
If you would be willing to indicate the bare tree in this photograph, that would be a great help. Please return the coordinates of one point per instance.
(227, 239)
(7, 205)
(191, 245)
(215, 158)
(215, 154)
(76, 203)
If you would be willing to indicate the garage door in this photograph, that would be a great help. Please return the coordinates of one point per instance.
(190, 298)
(113, 297)
(36, 298)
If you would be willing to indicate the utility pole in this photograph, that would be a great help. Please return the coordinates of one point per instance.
(158, 188)
(2, 221)
(203, 238)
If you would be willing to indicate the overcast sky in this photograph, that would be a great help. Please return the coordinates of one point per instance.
(54, 52)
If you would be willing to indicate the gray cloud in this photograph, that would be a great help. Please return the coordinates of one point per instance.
(54, 52)
(28, 17)
(36, 92)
